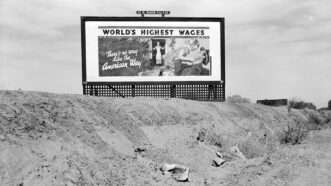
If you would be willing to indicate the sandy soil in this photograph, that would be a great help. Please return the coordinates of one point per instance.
(52, 139)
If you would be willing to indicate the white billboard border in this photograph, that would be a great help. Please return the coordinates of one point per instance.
(85, 19)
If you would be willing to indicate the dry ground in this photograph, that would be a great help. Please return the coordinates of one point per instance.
(52, 139)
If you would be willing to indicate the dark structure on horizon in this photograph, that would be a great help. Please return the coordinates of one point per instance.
(273, 102)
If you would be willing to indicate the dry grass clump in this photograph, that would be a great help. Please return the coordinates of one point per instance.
(249, 146)
(326, 114)
(210, 137)
(315, 117)
(294, 133)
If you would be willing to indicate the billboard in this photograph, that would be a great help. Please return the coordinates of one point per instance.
(140, 49)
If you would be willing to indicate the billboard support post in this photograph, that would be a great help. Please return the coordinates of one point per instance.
(210, 91)
(133, 90)
(173, 91)
(153, 56)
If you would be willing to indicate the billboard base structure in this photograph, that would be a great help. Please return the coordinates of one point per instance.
(193, 91)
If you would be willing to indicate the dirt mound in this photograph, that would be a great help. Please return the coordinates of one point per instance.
(51, 139)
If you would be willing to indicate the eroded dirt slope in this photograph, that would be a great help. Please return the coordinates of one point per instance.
(51, 139)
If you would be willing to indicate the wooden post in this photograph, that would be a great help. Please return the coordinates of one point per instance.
(215, 92)
(91, 90)
(84, 89)
(173, 91)
(210, 91)
(133, 90)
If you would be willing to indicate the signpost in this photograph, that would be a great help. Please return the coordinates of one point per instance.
(153, 56)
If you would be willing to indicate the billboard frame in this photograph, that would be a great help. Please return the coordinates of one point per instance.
(212, 85)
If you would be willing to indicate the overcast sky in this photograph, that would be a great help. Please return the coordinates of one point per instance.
(274, 48)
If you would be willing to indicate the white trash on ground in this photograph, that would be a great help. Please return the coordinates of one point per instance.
(178, 172)
(218, 162)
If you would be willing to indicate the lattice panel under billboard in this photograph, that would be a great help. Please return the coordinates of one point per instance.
(202, 92)
(153, 90)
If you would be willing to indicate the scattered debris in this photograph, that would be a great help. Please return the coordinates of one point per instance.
(220, 155)
(218, 162)
(267, 160)
(178, 172)
(235, 150)
(202, 135)
(140, 149)
(167, 167)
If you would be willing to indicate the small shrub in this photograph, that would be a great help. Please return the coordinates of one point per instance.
(202, 135)
(298, 104)
(327, 115)
(210, 137)
(315, 117)
(293, 134)
(216, 140)
(237, 99)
